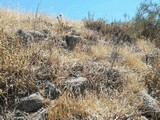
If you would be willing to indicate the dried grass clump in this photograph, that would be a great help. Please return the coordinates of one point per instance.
(15, 64)
(133, 60)
(120, 34)
(152, 82)
(66, 108)
(100, 51)
(119, 106)
(99, 25)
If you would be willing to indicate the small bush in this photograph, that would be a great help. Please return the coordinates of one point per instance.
(147, 20)
(99, 25)
(120, 34)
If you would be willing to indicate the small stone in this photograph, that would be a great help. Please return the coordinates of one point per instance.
(76, 86)
(51, 90)
(76, 81)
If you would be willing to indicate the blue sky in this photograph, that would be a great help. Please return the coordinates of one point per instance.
(78, 9)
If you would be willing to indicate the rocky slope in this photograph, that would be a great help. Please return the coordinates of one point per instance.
(54, 68)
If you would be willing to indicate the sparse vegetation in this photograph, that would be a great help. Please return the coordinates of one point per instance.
(147, 21)
(80, 70)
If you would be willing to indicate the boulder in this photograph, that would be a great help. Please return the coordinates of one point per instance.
(150, 107)
(149, 102)
(19, 115)
(30, 104)
(72, 41)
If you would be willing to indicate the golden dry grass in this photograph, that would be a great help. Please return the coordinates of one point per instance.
(101, 51)
(18, 62)
(134, 60)
(102, 107)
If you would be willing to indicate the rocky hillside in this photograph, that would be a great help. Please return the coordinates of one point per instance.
(57, 69)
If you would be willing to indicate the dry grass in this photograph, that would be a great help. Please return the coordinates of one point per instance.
(119, 106)
(133, 60)
(19, 63)
(101, 51)
(146, 46)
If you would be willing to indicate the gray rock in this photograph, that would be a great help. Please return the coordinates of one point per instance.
(30, 104)
(51, 90)
(76, 81)
(29, 36)
(24, 36)
(72, 41)
(76, 86)
(149, 102)
(37, 35)
(36, 96)
(150, 106)
(19, 115)
(40, 115)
